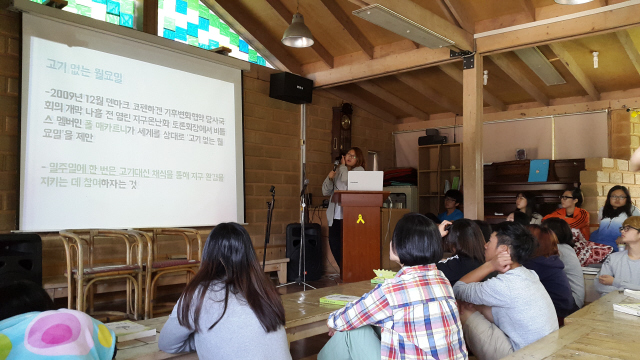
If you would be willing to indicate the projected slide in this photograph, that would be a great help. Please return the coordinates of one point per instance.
(114, 142)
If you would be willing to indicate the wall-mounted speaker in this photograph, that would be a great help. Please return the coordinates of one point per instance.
(291, 88)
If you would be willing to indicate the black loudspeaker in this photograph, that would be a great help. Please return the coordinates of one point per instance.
(291, 88)
(20, 258)
(312, 249)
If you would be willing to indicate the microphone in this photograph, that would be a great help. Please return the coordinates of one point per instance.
(335, 164)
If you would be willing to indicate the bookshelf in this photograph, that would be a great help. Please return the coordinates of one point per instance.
(436, 165)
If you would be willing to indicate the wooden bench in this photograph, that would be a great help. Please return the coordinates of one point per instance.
(279, 265)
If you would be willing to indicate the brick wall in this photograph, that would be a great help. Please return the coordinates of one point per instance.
(600, 176)
(9, 115)
(624, 135)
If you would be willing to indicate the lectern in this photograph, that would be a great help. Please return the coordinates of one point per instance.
(360, 233)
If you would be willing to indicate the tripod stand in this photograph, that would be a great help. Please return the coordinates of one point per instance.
(270, 205)
(302, 270)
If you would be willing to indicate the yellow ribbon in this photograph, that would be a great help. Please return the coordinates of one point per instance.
(360, 219)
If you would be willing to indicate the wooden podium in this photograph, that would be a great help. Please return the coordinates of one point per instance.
(360, 233)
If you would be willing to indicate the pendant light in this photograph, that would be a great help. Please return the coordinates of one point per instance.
(297, 34)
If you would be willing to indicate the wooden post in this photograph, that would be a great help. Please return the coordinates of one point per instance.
(150, 17)
(472, 172)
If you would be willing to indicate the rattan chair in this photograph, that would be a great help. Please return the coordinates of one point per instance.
(156, 267)
(80, 248)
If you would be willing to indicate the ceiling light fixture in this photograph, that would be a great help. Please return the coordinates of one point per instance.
(396, 23)
(572, 2)
(297, 34)
(540, 65)
(485, 77)
(595, 59)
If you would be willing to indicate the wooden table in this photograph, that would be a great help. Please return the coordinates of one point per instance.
(304, 316)
(594, 332)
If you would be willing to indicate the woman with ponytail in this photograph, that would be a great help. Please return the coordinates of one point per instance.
(229, 310)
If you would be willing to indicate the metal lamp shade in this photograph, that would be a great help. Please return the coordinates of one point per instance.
(572, 2)
(297, 34)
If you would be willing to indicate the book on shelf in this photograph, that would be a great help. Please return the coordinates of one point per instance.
(632, 293)
(337, 299)
(631, 309)
(128, 330)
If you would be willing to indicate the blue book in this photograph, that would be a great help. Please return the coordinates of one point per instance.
(539, 170)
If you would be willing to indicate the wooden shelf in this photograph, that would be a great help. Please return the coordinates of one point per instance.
(434, 169)
(427, 171)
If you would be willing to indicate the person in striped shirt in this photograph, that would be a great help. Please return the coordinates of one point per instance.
(412, 316)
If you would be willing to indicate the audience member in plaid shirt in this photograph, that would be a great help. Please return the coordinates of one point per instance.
(416, 310)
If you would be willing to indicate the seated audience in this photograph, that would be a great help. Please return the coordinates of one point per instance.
(229, 310)
(547, 264)
(525, 203)
(30, 328)
(616, 209)
(466, 244)
(577, 218)
(520, 218)
(621, 270)
(486, 229)
(416, 310)
(517, 310)
(572, 266)
(452, 199)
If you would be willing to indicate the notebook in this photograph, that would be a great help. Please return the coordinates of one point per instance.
(539, 170)
(365, 180)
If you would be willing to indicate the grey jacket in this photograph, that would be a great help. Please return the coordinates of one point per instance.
(339, 183)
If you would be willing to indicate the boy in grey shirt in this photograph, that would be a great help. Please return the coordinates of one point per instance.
(511, 310)
(621, 270)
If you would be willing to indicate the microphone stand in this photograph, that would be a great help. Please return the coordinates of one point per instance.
(270, 205)
(302, 270)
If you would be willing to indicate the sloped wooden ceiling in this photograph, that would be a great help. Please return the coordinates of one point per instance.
(401, 80)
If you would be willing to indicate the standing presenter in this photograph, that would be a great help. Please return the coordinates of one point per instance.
(337, 180)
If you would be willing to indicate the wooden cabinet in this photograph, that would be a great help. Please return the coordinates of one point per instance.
(437, 165)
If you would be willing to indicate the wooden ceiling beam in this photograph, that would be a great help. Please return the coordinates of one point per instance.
(388, 65)
(529, 8)
(461, 14)
(393, 99)
(514, 73)
(456, 73)
(575, 70)
(427, 91)
(286, 15)
(592, 22)
(630, 48)
(462, 38)
(447, 12)
(346, 22)
(358, 101)
(255, 33)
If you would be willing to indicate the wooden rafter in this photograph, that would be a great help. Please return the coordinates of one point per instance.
(529, 8)
(462, 16)
(358, 101)
(447, 12)
(614, 18)
(575, 70)
(456, 73)
(630, 48)
(388, 65)
(393, 99)
(346, 22)
(517, 76)
(286, 15)
(255, 33)
(462, 38)
(427, 91)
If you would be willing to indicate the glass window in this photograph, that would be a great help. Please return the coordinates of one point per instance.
(119, 12)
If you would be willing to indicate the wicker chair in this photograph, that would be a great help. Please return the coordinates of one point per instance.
(156, 268)
(80, 248)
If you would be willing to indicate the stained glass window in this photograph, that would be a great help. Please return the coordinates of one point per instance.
(119, 12)
(191, 22)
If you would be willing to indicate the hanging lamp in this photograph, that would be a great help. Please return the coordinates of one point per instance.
(297, 34)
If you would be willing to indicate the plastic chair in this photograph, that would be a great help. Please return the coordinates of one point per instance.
(156, 268)
(80, 249)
